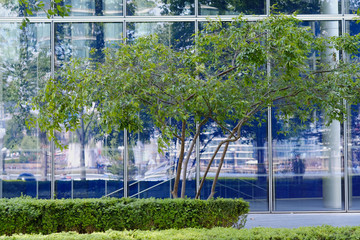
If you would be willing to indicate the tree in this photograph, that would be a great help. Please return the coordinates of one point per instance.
(223, 77)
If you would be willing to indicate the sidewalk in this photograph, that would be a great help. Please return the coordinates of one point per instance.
(302, 220)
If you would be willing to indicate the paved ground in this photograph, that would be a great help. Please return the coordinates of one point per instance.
(302, 220)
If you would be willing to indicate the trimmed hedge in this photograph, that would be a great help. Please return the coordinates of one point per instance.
(303, 233)
(26, 215)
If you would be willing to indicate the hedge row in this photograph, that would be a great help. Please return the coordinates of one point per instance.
(26, 215)
(303, 233)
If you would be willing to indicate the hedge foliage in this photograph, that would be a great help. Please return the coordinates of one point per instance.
(26, 215)
(303, 233)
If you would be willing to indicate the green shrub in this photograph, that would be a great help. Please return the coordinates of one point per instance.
(303, 233)
(26, 215)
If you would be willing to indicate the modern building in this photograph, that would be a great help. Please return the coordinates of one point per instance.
(316, 168)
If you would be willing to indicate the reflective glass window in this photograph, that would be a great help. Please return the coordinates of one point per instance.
(95, 7)
(351, 6)
(177, 34)
(12, 8)
(306, 7)
(229, 7)
(25, 67)
(353, 140)
(244, 171)
(159, 7)
(91, 154)
(308, 159)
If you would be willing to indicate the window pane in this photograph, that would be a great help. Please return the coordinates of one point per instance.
(159, 8)
(25, 67)
(95, 7)
(228, 7)
(91, 155)
(306, 7)
(244, 173)
(177, 34)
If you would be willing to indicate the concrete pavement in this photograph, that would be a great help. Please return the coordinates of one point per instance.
(296, 220)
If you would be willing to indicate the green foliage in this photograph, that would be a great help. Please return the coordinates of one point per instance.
(302, 233)
(222, 77)
(26, 215)
(56, 8)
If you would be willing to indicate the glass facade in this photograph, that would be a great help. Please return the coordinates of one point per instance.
(316, 168)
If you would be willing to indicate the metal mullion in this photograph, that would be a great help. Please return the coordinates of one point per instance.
(346, 140)
(52, 145)
(196, 2)
(267, 8)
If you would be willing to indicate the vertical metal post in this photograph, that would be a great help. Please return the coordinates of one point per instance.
(37, 189)
(52, 146)
(72, 188)
(270, 162)
(267, 7)
(52, 159)
(197, 155)
(196, 13)
(124, 8)
(346, 129)
(125, 157)
(270, 152)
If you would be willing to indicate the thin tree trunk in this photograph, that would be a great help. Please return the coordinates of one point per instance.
(218, 171)
(214, 155)
(174, 192)
(208, 168)
(82, 152)
(183, 186)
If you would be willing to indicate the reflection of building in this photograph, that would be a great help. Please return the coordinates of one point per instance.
(332, 177)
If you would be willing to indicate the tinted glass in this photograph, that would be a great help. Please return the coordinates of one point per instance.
(306, 7)
(25, 67)
(232, 7)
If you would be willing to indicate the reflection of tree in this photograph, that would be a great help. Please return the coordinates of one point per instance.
(23, 74)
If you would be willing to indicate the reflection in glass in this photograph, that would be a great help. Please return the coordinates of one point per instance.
(176, 34)
(150, 171)
(95, 7)
(24, 68)
(232, 7)
(351, 6)
(159, 7)
(78, 39)
(12, 8)
(353, 139)
(307, 165)
(92, 155)
(306, 7)
(244, 173)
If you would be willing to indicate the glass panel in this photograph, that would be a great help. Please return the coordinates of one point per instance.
(351, 6)
(177, 34)
(354, 159)
(159, 7)
(228, 7)
(150, 171)
(12, 8)
(92, 159)
(244, 173)
(307, 161)
(353, 139)
(25, 66)
(95, 7)
(306, 7)
(308, 166)
(78, 39)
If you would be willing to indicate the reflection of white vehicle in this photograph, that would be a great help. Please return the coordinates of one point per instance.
(162, 172)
